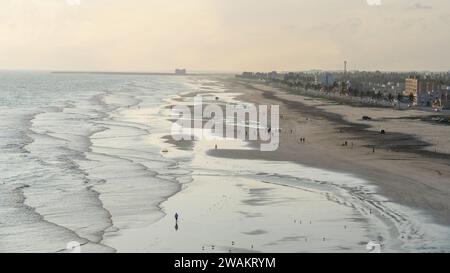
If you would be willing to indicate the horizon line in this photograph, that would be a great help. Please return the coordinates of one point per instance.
(206, 72)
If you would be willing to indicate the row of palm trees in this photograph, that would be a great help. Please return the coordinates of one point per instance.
(307, 81)
(345, 89)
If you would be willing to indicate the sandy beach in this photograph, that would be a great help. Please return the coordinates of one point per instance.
(103, 169)
(410, 163)
(317, 196)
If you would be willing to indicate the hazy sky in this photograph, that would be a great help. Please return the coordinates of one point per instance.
(224, 35)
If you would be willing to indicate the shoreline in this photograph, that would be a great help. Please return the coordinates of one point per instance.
(402, 177)
(351, 188)
(283, 211)
(315, 196)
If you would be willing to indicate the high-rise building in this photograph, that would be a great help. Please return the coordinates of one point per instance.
(425, 91)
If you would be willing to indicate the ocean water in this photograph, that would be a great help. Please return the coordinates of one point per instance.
(70, 162)
(81, 161)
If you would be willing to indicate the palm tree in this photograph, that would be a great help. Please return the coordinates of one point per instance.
(412, 98)
(378, 95)
(390, 97)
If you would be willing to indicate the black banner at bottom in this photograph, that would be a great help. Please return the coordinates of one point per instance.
(215, 262)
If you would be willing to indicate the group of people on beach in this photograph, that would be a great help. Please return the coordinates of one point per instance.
(345, 144)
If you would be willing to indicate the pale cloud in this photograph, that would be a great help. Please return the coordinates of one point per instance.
(73, 2)
(419, 5)
(153, 35)
(374, 2)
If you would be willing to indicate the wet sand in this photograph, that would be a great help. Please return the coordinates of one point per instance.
(316, 196)
(405, 165)
(297, 199)
(237, 205)
(234, 206)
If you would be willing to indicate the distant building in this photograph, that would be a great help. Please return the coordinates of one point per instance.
(425, 91)
(247, 75)
(327, 80)
(445, 98)
(180, 71)
(272, 75)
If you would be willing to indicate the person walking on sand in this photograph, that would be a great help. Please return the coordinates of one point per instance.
(176, 216)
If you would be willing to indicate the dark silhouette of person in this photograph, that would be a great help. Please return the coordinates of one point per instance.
(176, 221)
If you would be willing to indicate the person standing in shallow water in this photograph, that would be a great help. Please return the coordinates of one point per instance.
(176, 221)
